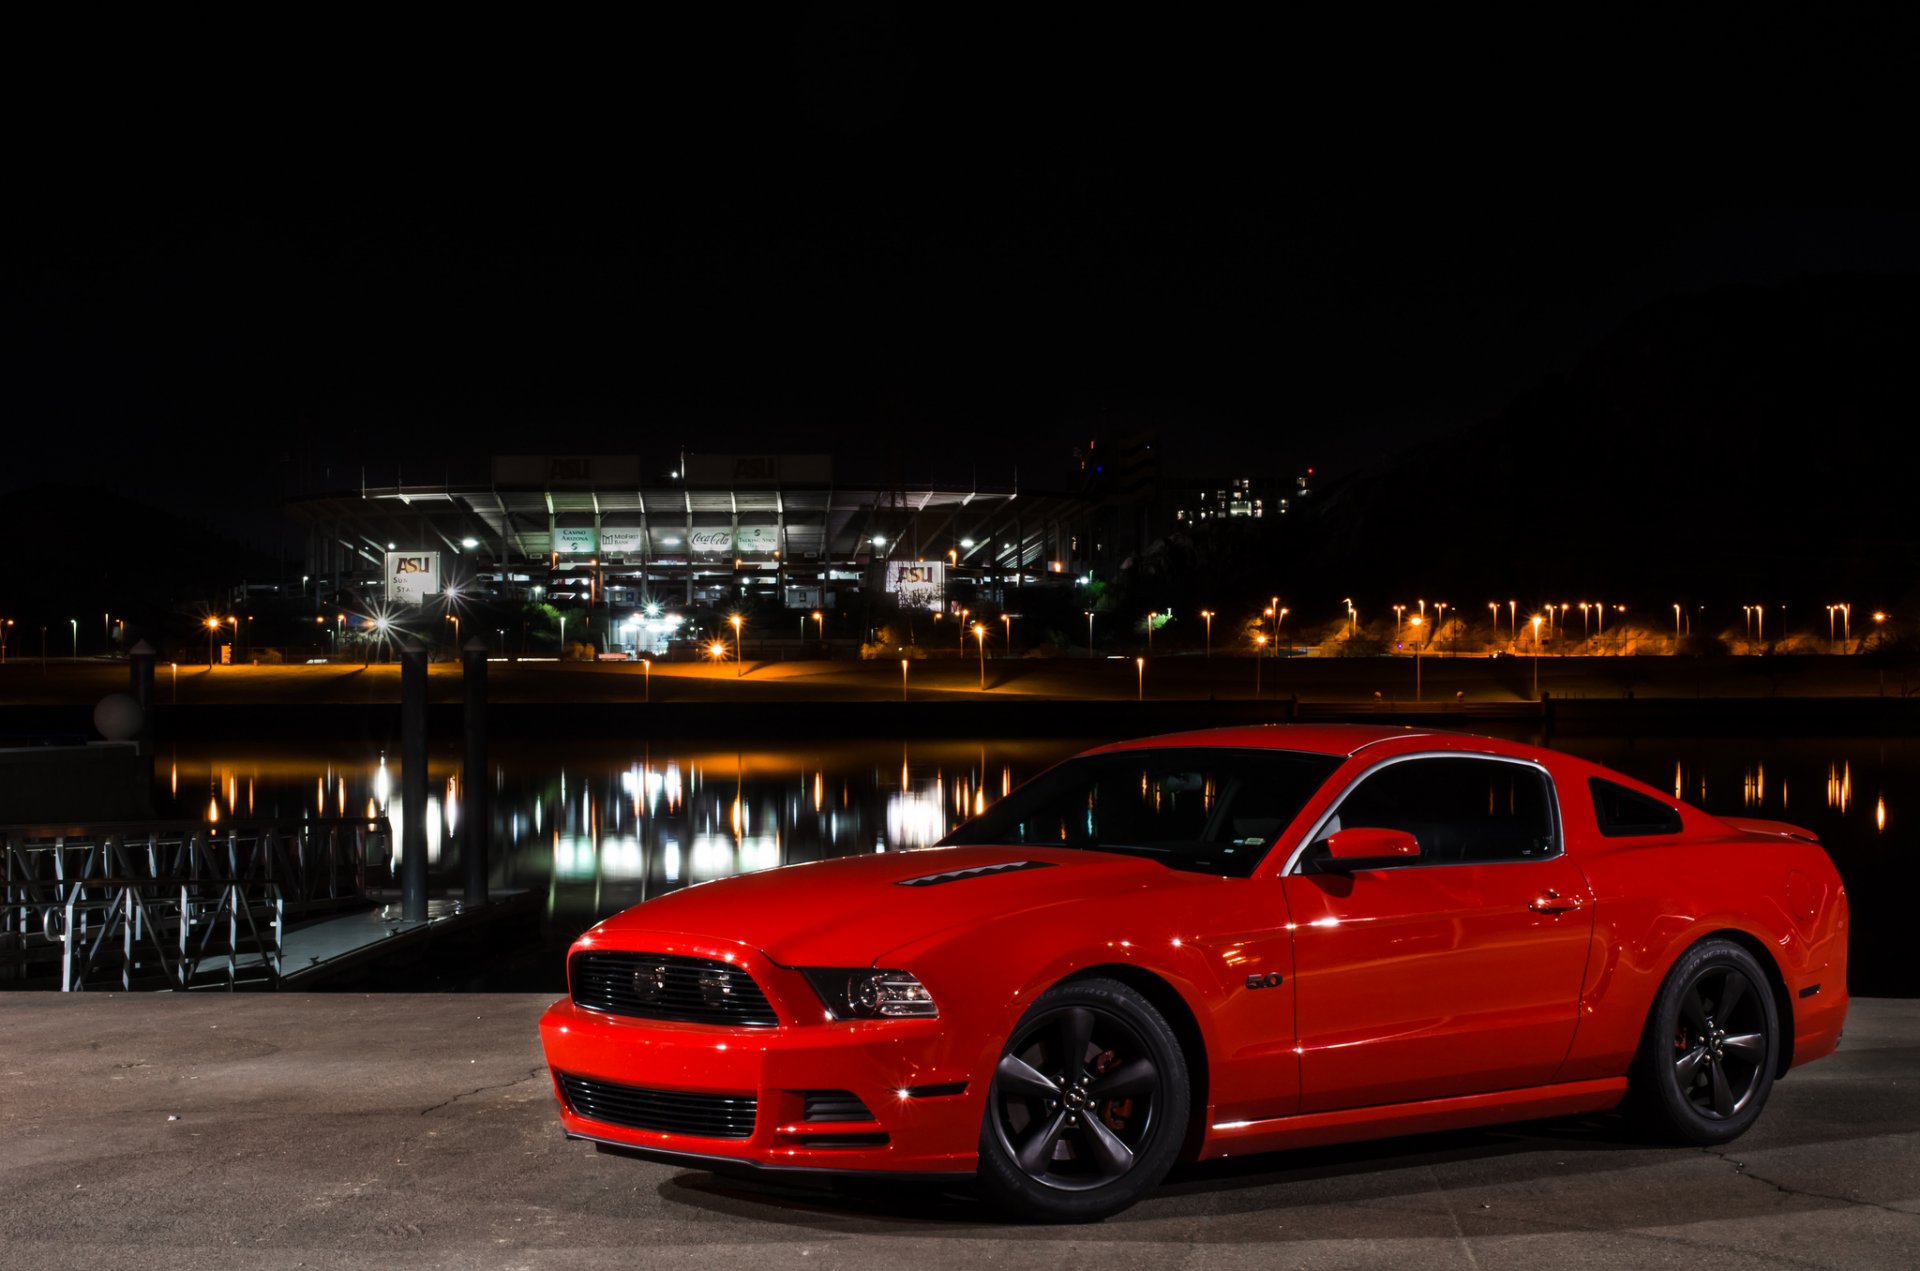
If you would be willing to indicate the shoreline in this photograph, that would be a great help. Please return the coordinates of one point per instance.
(1051, 697)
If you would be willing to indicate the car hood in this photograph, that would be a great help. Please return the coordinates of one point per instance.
(851, 911)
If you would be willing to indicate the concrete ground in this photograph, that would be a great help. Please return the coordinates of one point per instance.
(320, 1131)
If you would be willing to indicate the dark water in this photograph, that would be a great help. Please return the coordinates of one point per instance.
(597, 826)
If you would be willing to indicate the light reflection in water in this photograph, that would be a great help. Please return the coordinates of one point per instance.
(630, 825)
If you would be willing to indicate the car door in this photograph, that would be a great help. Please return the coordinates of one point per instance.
(1454, 975)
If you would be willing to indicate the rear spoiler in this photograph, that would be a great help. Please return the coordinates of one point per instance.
(1771, 829)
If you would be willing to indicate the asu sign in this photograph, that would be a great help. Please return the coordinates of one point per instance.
(413, 576)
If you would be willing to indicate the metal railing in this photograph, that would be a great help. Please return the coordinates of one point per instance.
(174, 905)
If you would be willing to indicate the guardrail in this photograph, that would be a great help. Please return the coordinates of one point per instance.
(173, 905)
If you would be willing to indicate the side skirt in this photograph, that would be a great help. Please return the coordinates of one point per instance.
(1347, 1125)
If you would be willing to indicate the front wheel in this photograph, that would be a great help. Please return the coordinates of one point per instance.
(1711, 1047)
(1088, 1105)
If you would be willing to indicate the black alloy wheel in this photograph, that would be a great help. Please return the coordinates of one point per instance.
(1088, 1104)
(1712, 1045)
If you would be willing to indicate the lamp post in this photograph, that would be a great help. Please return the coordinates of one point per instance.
(735, 620)
(1259, 652)
(1536, 657)
(1416, 622)
(1398, 611)
(1151, 615)
(1089, 614)
(1140, 664)
(980, 639)
(76, 638)
(647, 664)
(1353, 617)
(819, 626)
(1208, 615)
(961, 629)
(1439, 618)
(1676, 629)
(1493, 607)
(903, 679)
(1279, 616)
(213, 625)
(1006, 620)
(563, 635)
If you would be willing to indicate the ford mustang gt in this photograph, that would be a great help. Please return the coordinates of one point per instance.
(1210, 944)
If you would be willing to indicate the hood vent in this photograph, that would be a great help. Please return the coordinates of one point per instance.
(955, 875)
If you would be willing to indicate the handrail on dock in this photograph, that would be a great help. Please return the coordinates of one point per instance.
(175, 904)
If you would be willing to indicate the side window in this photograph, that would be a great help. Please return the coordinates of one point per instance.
(1461, 810)
(1624, 813)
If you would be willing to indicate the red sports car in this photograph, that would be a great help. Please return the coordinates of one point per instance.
(1210, 944)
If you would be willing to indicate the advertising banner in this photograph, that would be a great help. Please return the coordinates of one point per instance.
(413, 576)
(918, 584)
(574, 540)
(622, 539)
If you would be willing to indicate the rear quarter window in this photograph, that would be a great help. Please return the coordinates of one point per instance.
(1624, 813)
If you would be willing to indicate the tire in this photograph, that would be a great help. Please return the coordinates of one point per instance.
(1088, 1106)
(1712, 1043)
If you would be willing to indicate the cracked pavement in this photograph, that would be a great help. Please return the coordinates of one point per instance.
(324, 1131)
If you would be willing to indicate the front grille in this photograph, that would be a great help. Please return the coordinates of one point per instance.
(668, 986)
(711, 1116)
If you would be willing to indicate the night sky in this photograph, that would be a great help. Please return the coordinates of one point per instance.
(936, 249)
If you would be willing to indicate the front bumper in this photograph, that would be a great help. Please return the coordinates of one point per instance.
(924, 1109)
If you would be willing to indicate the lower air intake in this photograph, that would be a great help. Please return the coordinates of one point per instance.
(708, 1116)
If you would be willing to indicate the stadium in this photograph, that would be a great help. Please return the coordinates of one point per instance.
(758, 532)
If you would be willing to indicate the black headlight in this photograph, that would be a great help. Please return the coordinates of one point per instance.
(870, 993)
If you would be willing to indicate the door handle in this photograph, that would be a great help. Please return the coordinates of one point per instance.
(1552, 902)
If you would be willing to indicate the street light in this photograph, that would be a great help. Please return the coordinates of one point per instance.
(1141, 665)
(213, 625)
(76, 638)
(1006, 620)
(961, 629)
(1536, 657)
(1151, 615)
(1089, 614)
(1398, 611)
(735, 620)
(1416, 622)
(1259, 653)
(819, 626)
(980, 638)
(1208, 615)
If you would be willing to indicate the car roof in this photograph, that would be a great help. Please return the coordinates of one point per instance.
(1341, 740)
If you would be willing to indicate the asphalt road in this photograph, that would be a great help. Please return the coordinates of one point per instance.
(327, 1131)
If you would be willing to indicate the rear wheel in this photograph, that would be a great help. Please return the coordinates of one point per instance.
(1088, 1105)
(1712, 1043)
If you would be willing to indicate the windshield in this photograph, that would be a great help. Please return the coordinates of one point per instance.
(1213, 810)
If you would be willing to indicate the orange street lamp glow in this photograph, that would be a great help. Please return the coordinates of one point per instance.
(735, 620)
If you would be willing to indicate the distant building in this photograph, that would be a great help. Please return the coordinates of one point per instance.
(715, 529)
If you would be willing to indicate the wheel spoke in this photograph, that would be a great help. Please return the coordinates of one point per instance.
(1732, 989)
(1113, 1157)
(1076, 1030)
(1683, 1067)
(1021, 1080)
(1694, 1011)
(1035, 1156)
(1722, 1092)
(1748, 1046)
(1138, 1077)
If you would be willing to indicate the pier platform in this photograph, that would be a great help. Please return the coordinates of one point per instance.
(295, 1130)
